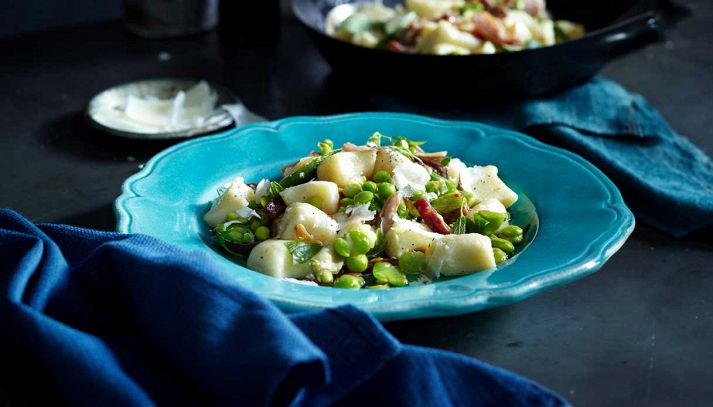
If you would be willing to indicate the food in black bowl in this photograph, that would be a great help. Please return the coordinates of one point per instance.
(609, 29)
(450, 27)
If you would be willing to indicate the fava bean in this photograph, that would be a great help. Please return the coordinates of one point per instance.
(360, 242)
(386, 273)
(349, 281)
(413, 262)
(500, 256)
(341, 246)
(510, 231)
(502, 244)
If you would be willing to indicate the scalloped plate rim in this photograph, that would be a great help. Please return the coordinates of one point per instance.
(589, 261)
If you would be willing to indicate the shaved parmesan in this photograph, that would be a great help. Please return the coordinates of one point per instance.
(484, 183)
(410, 178)
(360, 213)
(262, 189)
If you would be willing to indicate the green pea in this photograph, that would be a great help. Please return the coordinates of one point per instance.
(386, 190)
(369, 186)
(510, 231)
(315, 201)
(363, 197)
(325, 277)
(358, 263)
(347, 202)
(351, 190)
(381, 176)
(417, 195)
(500, 256)
(378, 287)
(341, 246)
(360, 242)
(255, 223)
(262, 233)
(231, 216)
(386, 273)
(502, 244)
(349, 281)
(413, 262)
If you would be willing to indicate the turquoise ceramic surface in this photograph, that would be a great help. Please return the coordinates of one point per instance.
(579, 218)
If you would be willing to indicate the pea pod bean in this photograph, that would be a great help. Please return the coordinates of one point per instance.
(302, 175)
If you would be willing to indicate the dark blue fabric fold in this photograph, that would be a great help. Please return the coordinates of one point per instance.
(666, 180)
(112, 319)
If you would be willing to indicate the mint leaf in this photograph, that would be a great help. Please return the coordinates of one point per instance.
(303, 251)
(459, 227)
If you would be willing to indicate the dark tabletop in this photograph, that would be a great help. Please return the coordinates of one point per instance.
(638, 332)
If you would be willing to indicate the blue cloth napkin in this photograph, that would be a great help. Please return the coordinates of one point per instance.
(118, 319)
(666, 180)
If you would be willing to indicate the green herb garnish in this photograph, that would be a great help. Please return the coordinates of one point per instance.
(303, 251)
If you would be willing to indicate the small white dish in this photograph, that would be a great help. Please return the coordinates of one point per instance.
(114, 100)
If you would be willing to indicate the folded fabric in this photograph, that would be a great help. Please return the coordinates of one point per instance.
(659, 171)
(666, 180)
(114, 319)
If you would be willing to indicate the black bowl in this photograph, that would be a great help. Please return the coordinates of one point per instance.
(614, 28)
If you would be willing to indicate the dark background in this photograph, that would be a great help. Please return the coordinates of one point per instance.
(638, 332)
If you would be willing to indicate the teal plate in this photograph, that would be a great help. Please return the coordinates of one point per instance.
(579, 218)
